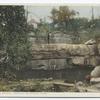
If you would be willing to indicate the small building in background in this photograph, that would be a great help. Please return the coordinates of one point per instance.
(34, 23)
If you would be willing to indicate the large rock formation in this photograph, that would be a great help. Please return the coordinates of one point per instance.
(75, 54)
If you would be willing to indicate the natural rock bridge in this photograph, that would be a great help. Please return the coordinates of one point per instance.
(77, 54)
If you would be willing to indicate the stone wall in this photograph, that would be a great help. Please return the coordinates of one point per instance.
(65, 55)
(61, 53)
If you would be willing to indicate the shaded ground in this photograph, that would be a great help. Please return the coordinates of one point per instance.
(46, 85)
(43, 85)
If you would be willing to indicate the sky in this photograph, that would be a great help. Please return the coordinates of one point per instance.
(38, 12)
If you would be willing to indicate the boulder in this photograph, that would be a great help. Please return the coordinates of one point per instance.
(96, 72)
(90, 42)
(95, 81)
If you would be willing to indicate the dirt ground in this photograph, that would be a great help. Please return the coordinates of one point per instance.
(44, 85)
(31, 85)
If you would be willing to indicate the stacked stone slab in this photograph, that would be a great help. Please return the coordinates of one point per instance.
(77, 54)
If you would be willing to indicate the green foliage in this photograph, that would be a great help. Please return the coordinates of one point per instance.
(62, 16)
(14, 34)
(82, 29)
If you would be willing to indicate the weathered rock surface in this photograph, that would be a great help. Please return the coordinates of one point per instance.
(77, 54)
(96, 72)
(47, 51)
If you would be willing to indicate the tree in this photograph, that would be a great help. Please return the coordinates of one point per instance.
(62, 16)
(14, 35)
(65, 21)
